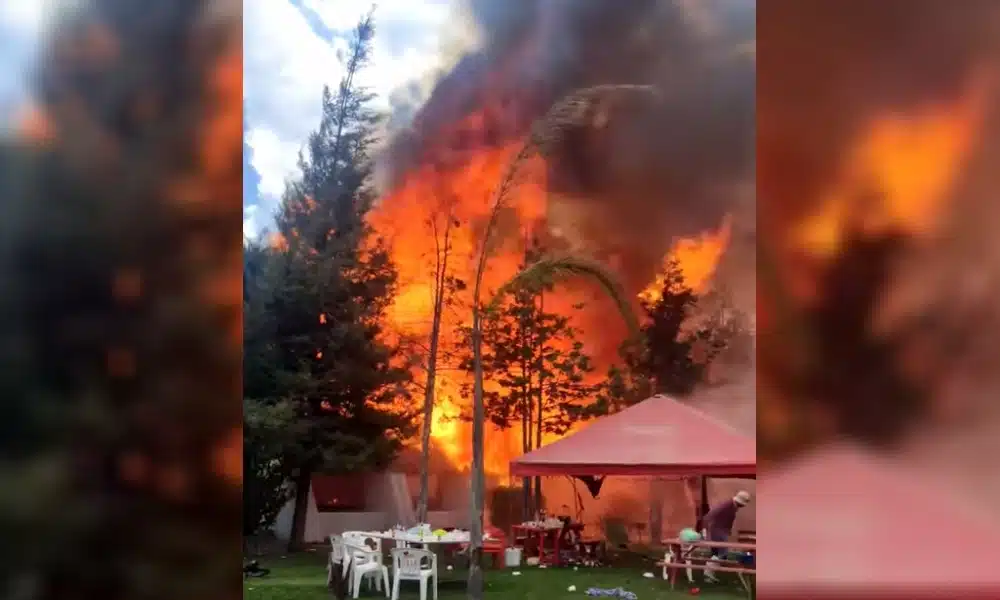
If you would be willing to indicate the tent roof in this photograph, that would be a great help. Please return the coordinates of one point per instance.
(657, 437)
(846, 507)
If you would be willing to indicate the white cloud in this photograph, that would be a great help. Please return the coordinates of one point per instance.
(22, 25)
(273, 158)
(287, 63)
(26, 17)
(285, 66)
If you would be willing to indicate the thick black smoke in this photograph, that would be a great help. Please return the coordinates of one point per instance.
(657, 170)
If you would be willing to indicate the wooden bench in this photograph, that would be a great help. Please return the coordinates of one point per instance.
(680, 557)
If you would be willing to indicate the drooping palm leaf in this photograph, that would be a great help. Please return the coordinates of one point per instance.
(562, 267)
(574, 112)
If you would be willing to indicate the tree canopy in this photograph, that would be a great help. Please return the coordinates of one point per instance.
(318, 298)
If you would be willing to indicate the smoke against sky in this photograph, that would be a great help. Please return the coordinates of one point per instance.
(658, 170)
(667, 170)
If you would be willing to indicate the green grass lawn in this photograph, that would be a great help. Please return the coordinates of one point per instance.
(303, 577)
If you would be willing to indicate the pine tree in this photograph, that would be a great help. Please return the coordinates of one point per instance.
(331, 282)
(667, 356)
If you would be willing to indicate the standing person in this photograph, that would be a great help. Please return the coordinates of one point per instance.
(718, 526)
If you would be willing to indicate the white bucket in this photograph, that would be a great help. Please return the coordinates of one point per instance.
(512, 557)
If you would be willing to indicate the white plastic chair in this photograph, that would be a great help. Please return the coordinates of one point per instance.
(669, 558)
(366, 563)
(337, 559)
(414, 564)
(354, 537)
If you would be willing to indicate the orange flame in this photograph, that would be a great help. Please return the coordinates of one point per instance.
(697, 257)
(408, 216)
(902, 168)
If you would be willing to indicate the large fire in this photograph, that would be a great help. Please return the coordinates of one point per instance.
(410, 215)
(898, 174)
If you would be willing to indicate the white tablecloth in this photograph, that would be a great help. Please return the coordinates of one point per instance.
(410, 538)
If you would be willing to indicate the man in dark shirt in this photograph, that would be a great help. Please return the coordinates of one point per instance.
(718, 525)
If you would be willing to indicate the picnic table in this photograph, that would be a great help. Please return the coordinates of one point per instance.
(680, 556)
(424, 540)
(543, 530)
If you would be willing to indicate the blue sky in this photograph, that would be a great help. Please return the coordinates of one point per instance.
(290, 52)
(21, 22)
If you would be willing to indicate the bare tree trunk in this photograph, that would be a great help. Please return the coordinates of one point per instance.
(302, 491)
(526, 481)
(527, 422)
(540, 368)
(655, 510)
(691, 485)
(425, 437)
(440, 277)
(539, 505)
(477, 483)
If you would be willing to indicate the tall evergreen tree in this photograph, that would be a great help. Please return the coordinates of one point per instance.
(667, 356)
(670, 356)
(330, 282)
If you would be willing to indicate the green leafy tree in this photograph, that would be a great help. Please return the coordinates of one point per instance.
(267, 434)
(537, 366)
(667, 356)
(673, 351)
(329, 284)
(266, 487)
(622, 387)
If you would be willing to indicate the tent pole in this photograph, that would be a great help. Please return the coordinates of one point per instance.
(704, 508)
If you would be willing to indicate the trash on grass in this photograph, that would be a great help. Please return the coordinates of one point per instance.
(621, 593)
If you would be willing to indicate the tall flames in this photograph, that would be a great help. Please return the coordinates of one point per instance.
(412, 217)
(897, 176)
(908, 162)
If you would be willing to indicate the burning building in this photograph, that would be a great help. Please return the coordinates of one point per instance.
(645, 179)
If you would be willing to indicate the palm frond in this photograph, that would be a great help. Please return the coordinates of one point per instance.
(566, 266)
(579, 109)
(575, 111)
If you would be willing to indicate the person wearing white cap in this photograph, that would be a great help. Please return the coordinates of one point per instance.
(718, 526)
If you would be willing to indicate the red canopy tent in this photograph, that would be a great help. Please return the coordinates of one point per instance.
(843, 522)
(659, 437)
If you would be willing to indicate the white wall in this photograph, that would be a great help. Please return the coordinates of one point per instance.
(320, 525)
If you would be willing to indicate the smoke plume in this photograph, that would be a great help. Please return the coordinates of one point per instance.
(654, 171)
